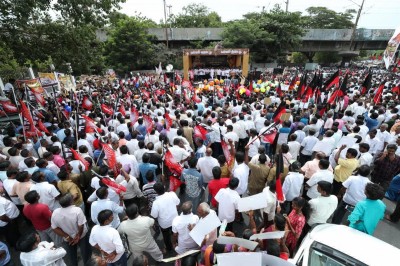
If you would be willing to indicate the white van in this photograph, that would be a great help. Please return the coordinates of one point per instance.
(339, 245)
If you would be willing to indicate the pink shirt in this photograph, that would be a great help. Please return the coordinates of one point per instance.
(311, 167)
(58, 160)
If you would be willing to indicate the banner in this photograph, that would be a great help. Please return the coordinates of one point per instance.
(66, 82)
(391, 48)
(47, 79)
(36, 89)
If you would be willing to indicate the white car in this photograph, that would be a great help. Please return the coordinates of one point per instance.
(339, 245)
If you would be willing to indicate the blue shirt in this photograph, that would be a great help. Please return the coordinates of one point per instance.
(142, 130)
(370, 123)
(7, 258)
(144, 168)
(366, 215)
(194, 182)
(50, 176)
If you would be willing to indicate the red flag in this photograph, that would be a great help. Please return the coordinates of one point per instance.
(333, 80)
(118, 188)
(279, 112)
(174, 183)
(90, 126)
(8, 107)
(199, 132)
(122, 109)
(148, 122)
(111, 157)
(227, 153)
(333, 97)
(145, 94)
(378, 93)
(279, 170)
(42, 127)
(66, 113)
(106, 109)
(86, 103)
(270, 135)
(251, 86)
(134, 115)
(172, 164)
(168, 121)
(293, 82)
(196, 98)
(302, 87)
(79, 157)
(186, 84)
(396, 89)
(25, 113)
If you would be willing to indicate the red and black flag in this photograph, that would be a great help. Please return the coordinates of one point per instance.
(366, 84)
(333, 80)
(342, 91)
(279, 90)
(302, 86)
(311, 87)
(279, 112)
(279, 171)
(293, 82)
(378, 93)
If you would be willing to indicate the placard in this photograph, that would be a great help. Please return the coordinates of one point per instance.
(187, 253)
(255, 202)
(239, 259)
(348, 141)
(268, 235)
(251, 245)
(204, 227)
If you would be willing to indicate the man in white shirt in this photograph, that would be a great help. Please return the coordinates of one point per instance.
(227, 199)
(139, 153)
(107, 240)
(324, 174)
(128, 161)
(307, 146)
(83, 142)
(164, 209)
(254, 143)
(181, 239)
(138, 232)
(292, 185)
(365, 157)
(179, 153)
(375, 145)
(8, 224)
(352, 192)
(241, 171)
(48, 193)
(294, 146)
(103, 203)
(383, 135)
(323, 206)
(205, 166)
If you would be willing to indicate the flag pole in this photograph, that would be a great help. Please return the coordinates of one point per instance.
(261, 134)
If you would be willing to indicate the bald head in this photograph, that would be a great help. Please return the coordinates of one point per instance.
(187, 207)
(203, 210)
(208, 151)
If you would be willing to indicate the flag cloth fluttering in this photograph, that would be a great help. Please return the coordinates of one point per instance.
(134, 115)
(176, 170)
(227, 153)
(79, 157)
(168, 121)
(86, 103)
(333, 80)
(200, 132)
(90, 126)
(366, 84)
(279, 171)
(148, 123)
(106, 109)
(279, 112)
(378, 93)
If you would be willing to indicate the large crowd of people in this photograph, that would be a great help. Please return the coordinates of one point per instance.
(121, 164)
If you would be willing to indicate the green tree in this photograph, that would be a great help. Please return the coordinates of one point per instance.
(130, 47)
(323, 18)
(327, 57)
(195, 16)
(267, 35)
(299, 58)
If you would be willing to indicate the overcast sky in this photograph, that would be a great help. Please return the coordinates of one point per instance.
(377, 14)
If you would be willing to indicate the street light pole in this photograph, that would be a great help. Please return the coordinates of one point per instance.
(165, 20)
(287, 5)
(353, 34)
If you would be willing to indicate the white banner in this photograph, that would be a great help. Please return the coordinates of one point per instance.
(391, 48)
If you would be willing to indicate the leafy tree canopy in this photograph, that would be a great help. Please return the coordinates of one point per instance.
(324, 18)
(266, 34)
(195, 16)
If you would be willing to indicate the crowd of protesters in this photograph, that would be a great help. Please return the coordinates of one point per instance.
(121, 162)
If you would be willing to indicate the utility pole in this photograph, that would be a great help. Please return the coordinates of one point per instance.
(169, 10)
(165, 21)
(287, 5)
(353, 34)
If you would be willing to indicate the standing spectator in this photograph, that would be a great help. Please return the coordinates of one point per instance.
(367, 213)
(137, 229)
(48, 193)
(38, 253)
(65, 185)
(40, 216)
(8, 221)
(292, 185)
(241, 171)
(365, 157)
(217, 184)
(227, 199)
(22, 186)
(294, 146)
(69, 222)
(386, 166)
(148, 191)
(205, 166)
(107, 240)
(307, 146)
(103, 203)
(165, 210)
(258, 173)
(133, 193)
(345, 167)
(182, 241)
(146, 166)
(323, 174)
(352, 192)
(193, 183)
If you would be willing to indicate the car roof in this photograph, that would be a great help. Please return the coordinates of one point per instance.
(361, 246)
